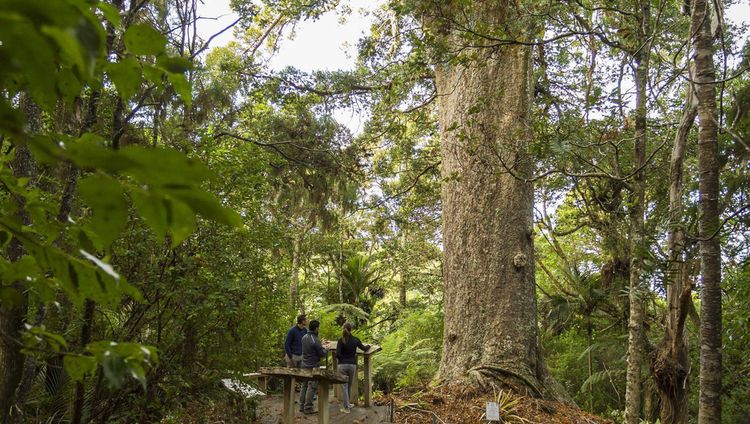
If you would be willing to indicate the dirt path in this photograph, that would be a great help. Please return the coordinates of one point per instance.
(269, 412)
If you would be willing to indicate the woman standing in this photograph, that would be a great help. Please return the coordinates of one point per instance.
(346, 352)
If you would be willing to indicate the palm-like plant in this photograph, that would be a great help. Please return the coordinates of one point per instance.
(360, 278)
(580, 300)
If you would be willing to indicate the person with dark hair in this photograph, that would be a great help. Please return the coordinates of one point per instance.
(293, 343)
(346, 352)
(312, 352)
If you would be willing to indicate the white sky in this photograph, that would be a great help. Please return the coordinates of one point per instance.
(324, 44)
(327, 44)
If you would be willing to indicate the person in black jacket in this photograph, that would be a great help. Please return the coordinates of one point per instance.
(312, 352)
(293, 343)
(346, 353)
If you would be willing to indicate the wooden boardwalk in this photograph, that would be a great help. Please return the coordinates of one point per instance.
(270, 409)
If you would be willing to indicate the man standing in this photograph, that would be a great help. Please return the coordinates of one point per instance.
(293, 343)
(312, 353)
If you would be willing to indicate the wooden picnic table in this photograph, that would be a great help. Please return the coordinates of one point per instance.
(330, 346)
(324, 377)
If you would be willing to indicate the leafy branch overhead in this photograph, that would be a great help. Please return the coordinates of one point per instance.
(56, 52)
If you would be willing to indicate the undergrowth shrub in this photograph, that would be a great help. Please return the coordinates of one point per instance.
(411, 351)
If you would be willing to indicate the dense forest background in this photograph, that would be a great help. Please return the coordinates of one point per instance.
(169, 207)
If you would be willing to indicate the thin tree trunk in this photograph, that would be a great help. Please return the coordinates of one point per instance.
(590, 362)
(86, 330)
(66, 207)
(11, 323)
(637, 289)
(294, 283)
(66, 202)
(341, 270)
(13, 318)
(708, 203)
(402, 271)
(90, 306)
(30, 370)
(670, 364)
(637, 292)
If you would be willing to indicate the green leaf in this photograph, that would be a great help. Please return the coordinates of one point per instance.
(174, 64)
(90, 152)
(122, 360)
(101, 265)
(114, 370)
(126, 75)
(181, 87)
(71, 49)
(78, 279)
(39, 337)
(33, 63)
(143, 39)
(10, 298)
(24, 269)
(137, 372)
(68, 84)
(181, 221)
(4, 239)
(110, 12)
(78, 366)
(153, 74)
(11, 119)
(205, 204)
(474, 109)
(160, 167)
(153, 208)
(106, 198)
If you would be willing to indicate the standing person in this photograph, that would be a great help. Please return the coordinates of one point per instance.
(293, 343)
(312, 352)
(346, 352)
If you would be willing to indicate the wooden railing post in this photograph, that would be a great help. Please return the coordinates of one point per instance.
(288, 412)
(368, 380)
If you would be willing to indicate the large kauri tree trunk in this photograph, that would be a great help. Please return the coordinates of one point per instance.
(708, 203)
(490, 332)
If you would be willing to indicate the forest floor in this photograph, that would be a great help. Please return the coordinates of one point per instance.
(447, 406)
(270, 408)
(451, 406)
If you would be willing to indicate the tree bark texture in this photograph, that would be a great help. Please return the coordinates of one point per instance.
(637, 289)
(86, 330)
(709, 405)
(294, 283)
(11, 358)
(71, 182)
(670, 362)
(403, 271)
(487, 216)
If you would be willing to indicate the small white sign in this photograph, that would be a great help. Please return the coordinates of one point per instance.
(493, 411)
